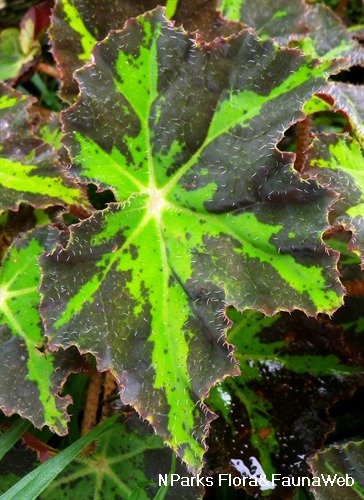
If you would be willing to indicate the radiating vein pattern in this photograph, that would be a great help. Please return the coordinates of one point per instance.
(208, 213)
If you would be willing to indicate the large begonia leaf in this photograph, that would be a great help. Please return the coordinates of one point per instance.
(283, 20)
(78, 24)
(29, 170)
(346, 462)
(274, 415)
(30, 377)
(338, 162)
(212, 214)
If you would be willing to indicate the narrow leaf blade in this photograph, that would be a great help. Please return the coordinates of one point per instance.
(12, 435)
(34, 483)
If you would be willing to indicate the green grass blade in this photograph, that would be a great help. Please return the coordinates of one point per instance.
(12, 435)
(32, 485)
(171, 7)
(162, 492)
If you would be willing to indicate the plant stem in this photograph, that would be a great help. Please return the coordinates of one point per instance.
(340, 11)
(49, 70)
(303, 141)
(91, 408)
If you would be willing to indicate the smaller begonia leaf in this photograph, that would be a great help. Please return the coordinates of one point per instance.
(338, 162)
(30, 377)
(274, 415)
(29, 170)
(349, 100)
(339, 461)
(13, 61)
(316, 29)
(345, 98)
(283, 20)
(328, 37)
(20, 50)
(316, 105)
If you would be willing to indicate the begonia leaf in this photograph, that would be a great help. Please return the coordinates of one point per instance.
(34, 23)
(20, 50)
(346, 462)
(274, 415)
(11, 12)
(49, 130)
(29, 170)
(315, 105)
(338, 162)
(318, 29)
(78, 24)
(346, 99)
(30, 377)
(13, 61)
(349, 100)
(208, 213)
(329, 39)
(283, 20)
(75, 28)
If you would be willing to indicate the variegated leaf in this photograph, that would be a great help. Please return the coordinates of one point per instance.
(349, 100)
(329, 39)
(344, 98)
(30, 377)
(209, 213)
(78, 24)
(345, 465)
(274, 415)
(338, 162)
(283, 20)
(320, 32)
(29, 170)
